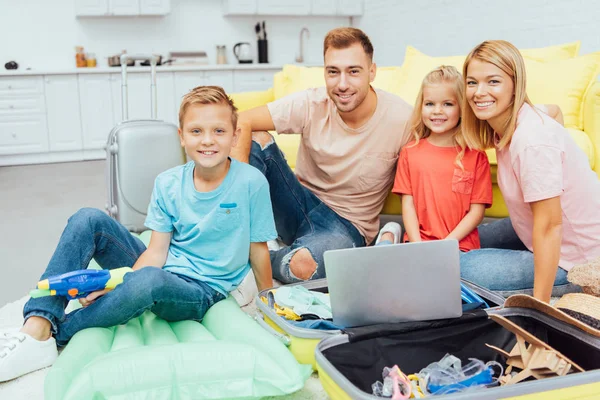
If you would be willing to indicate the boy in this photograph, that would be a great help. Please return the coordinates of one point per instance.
(210, 221)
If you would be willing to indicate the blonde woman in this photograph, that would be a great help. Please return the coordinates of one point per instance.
(552, 195)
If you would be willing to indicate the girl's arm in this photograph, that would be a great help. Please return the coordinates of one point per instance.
(409, 217)
(260, 261)
(547, 237)
(468, 223)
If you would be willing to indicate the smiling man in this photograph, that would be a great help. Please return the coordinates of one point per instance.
(351, 137)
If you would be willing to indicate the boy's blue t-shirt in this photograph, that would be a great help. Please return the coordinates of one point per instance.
(212, 231)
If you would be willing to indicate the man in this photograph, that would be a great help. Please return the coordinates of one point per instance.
(351, 137)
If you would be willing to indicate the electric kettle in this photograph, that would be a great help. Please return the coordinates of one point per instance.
(243, 52)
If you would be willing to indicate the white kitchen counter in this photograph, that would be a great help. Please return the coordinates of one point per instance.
(165, 68)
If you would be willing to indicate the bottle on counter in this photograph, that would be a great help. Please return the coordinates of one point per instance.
(221, 55)
(80, 61)
(90, 59)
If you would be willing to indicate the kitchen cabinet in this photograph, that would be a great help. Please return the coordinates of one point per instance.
(67, 115)
(253, 81)
(278, 7)
(155, 7)
(63, 113)
(350, 8)
(23, 126)
(187, 80)
(96, 104)
(94, 8)
(345, 8)
(323, 7)
(139, 93)
(239, 7)
(91, 7)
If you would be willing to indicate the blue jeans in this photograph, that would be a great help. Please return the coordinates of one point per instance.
(302, 220)
(504, 265)
(90, 233)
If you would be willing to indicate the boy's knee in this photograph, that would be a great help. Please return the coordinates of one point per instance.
(148, 281)
(302, 264)
(263, 138)
(87, 215)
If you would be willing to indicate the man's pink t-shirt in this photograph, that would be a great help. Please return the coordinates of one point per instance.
(543, 161)
(350, 170)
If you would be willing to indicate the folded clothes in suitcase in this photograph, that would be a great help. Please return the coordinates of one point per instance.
(136, 152)
(350, 363)
(303, 341)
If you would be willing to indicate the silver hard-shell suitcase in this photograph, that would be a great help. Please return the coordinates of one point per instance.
(136, 152)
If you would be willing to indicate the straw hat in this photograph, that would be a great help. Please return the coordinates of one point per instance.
(578, 309)
(587, 276)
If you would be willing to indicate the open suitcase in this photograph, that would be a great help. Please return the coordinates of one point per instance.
(136, 152)
(350, 363)
(302, 342)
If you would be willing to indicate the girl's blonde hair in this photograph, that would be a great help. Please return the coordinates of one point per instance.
(447, 74)
(477, 133)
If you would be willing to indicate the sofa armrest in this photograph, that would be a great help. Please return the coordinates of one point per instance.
(247, 100)
(591, 120)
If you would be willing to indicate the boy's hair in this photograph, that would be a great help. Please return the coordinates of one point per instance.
(479, 134)
(207, 95)
(342, 38)
(447, 74)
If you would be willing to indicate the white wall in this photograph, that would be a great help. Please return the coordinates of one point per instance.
(43, 33)
(454, 27)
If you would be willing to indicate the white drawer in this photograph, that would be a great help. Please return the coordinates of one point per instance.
(22, 85)
(21, 105)
(250, 81)
(25, 136)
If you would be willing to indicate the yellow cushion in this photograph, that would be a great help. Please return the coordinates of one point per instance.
(563, 82)
(296, 78)
(247, 100)
(553, 53)
(416, 65)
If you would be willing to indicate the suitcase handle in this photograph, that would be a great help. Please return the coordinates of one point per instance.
(124, 97)
(285, 339)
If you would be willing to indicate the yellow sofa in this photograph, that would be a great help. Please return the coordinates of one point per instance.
(556, 75)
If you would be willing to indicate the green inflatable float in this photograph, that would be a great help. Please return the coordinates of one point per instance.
(227, 356)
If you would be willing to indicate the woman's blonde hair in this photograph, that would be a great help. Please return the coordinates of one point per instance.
(477, 133)
(447, 74)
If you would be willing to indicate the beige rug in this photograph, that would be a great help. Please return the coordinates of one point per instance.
(31, 386)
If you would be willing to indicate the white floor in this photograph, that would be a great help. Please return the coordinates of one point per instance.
(35, 203)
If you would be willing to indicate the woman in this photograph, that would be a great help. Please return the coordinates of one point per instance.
(552, 195)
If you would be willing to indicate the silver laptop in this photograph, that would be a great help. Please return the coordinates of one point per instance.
(399, 282)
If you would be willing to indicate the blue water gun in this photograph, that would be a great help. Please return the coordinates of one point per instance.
(78, 284)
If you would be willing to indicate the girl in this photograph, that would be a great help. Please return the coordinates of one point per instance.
(552, 195)
(445, 186)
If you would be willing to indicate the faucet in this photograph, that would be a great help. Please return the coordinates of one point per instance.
(300, 57)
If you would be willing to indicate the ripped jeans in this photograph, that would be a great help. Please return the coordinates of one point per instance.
(302, 220)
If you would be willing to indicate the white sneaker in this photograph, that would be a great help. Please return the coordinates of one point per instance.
(21, 354)
(394, 228)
